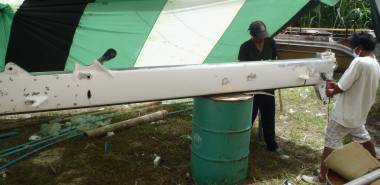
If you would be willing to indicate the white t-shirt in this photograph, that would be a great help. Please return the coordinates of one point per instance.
(359, 83)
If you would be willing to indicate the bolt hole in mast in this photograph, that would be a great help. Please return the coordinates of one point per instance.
(89, 95)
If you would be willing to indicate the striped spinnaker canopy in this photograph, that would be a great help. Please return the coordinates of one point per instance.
(52, 35)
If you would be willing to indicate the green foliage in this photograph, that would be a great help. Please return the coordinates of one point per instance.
(375, 111)
(350, 14)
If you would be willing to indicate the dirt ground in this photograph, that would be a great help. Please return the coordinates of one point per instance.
(82, 161)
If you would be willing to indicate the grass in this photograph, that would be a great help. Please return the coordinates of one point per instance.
(375, 112)
(300, 129)
(345, 14)
(299, 132)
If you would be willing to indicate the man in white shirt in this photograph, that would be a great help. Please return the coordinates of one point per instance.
(355, 94)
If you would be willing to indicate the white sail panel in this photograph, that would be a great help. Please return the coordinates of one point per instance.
(186, 31)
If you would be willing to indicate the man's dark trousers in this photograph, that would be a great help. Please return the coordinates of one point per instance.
(266, 105)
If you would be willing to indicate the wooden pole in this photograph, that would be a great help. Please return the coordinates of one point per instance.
(141, 108)
(280, 100)
(23, 123)
(142, 105)
(126, 124)
(146, 110)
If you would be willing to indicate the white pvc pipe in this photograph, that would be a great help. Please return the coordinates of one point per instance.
(366, 179)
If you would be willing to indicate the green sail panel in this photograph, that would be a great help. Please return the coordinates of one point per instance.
(123, 25)
(274, 13)
(6, 17)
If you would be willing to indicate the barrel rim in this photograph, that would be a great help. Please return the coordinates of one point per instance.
(244, 157)
(231, 97)
(223, 131)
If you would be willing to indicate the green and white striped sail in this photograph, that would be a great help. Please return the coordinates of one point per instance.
(166, 32)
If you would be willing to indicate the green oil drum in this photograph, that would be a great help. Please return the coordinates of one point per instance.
(220, 139)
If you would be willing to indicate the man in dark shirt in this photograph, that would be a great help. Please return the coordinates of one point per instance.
(261, 47)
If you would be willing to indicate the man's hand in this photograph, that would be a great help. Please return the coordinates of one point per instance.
(332, 89)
